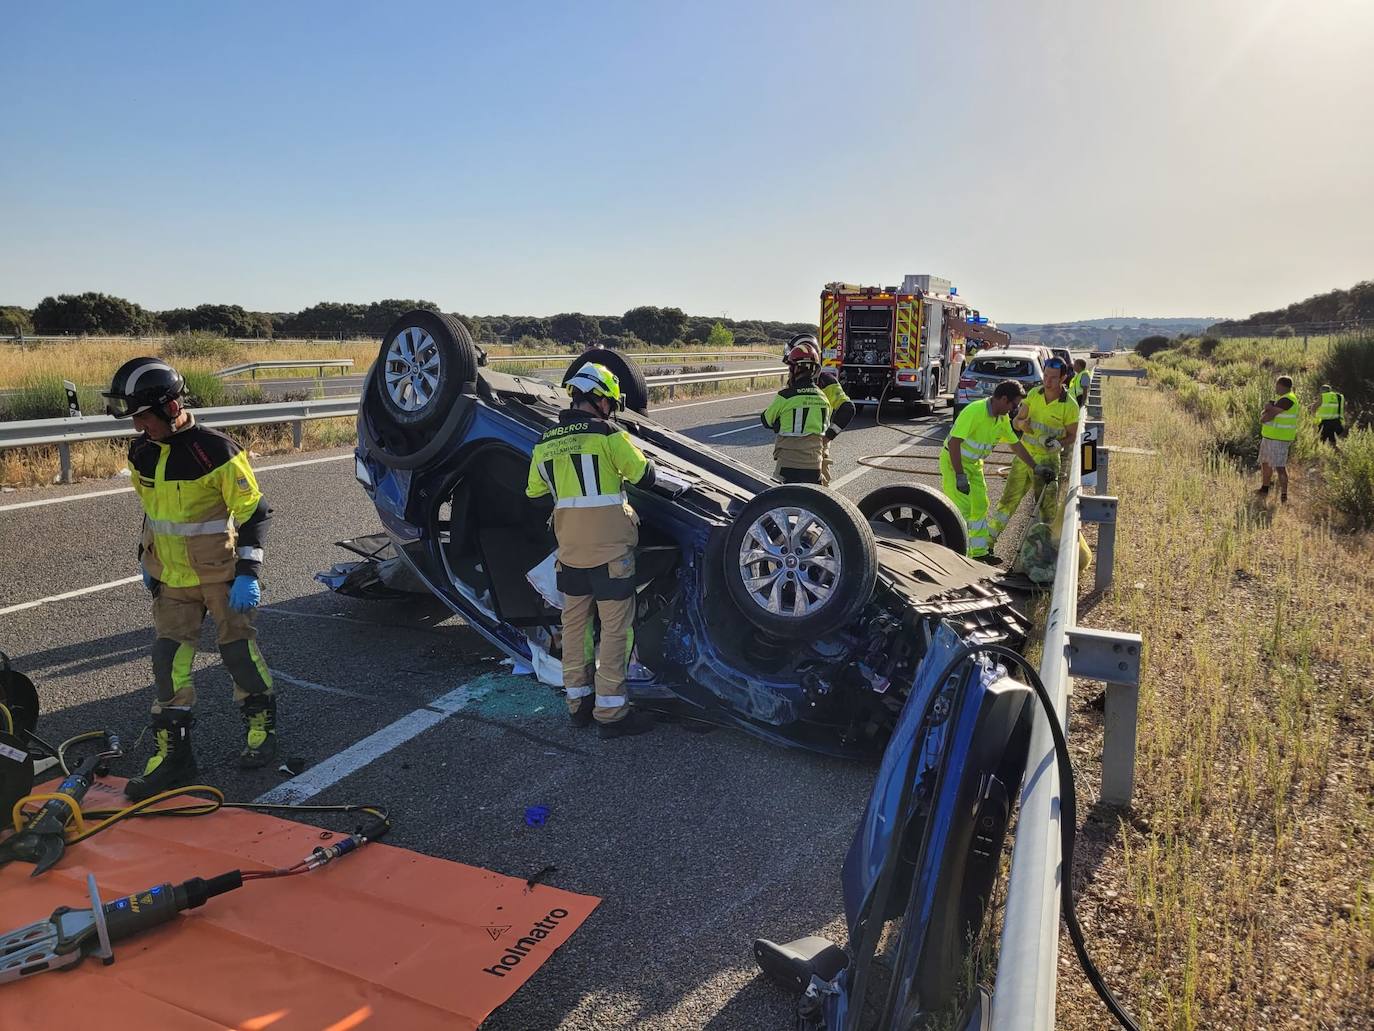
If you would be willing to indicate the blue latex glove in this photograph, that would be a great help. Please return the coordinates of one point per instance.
(245, 594)
(148, 581)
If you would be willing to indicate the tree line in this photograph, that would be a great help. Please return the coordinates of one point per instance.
(1336, 309)
(98, 314)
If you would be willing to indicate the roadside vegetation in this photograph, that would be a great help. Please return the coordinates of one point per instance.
(1238, 892)
(1225, 383)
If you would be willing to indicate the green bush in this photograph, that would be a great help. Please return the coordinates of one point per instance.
(205, 389)
(202, 347)
(1151, 346)
(1347, 486)
(1349, 367)
(1207, 346)
(37, 397)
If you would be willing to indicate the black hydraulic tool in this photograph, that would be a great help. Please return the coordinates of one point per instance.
(43, 839)
(70, 935)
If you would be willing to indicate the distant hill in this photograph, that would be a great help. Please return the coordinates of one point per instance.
(1336, 310)
(1117, 333)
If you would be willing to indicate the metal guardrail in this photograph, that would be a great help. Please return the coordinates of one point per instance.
(1023, 996)
(286, 363)
(65, 432)
(667, 357)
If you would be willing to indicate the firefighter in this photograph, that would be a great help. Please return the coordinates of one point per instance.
(1048, 423)
(582, 465)
(802, 418)
(842, 409)
(201, 550)
(981, 426)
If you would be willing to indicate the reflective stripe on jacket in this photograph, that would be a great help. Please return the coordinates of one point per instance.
(1048, 420)
(1283, 426)
(583, 463)
(1332, 407)
(980, 432)
(204, 517)
(798, 412)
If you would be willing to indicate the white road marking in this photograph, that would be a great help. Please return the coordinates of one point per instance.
(713, 401)
(286, 678)
(129, 490)
(70, 594)
(374, 746)
(752, 426)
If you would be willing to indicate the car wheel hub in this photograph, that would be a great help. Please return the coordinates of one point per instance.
(412, 367)
(790, 562)
(910, 520)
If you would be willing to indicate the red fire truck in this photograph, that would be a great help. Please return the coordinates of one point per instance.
(899, 343)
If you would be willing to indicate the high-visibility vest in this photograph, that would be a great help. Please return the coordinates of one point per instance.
(834, 393)
(583, 462)
(1333, 406)
(1049, 420)
(1078, 386)
(1283, 426)
(980, 431)
(196, 489)
(798, 412)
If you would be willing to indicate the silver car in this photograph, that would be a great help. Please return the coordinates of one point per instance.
(981, 375)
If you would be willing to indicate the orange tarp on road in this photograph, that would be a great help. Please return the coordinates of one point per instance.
(381, 938)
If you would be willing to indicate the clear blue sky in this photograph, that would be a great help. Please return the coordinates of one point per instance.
(1055, 159)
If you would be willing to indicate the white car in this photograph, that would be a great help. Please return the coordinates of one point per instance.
(981, 375)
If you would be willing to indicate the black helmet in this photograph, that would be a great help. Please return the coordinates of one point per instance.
(141, 384)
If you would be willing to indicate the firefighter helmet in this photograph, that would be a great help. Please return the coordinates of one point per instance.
(803, 350)
(598, 381)
(141, 384)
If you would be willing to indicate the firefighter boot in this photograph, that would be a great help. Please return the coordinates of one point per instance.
(260, 722)
(172, 764)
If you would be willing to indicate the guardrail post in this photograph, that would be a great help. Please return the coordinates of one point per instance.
(1098, 427)
(672, 390)
(64, 454)
(297, 433)
(1113, 658)
(254, 372)
(1101, 509)
(1103, 461)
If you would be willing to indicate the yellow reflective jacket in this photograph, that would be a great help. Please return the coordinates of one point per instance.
(583, 462)
(205, 519)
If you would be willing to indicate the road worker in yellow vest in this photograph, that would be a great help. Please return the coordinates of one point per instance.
(1078, 386)
(981, 426)
(1048, 424)
(583, 464)
(1278, 430)
(1331, 415)
(803, 419)
(204, 525)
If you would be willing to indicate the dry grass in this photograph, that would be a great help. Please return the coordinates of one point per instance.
(30, 467)
(91, 360)
(1237, 894)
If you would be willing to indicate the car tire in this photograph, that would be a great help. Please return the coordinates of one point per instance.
(830, 581)
(633, 387)
(422, 364)
(919, 512)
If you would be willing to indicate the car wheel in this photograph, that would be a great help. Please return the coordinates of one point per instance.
(800, 561)
(919, 512)
(422, 364)
(633, 387)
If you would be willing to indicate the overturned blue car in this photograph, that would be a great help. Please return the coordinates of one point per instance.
(784, 610)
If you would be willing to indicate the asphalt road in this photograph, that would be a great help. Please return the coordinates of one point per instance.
(696, 841)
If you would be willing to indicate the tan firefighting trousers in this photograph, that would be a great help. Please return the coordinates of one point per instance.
(605, 592)
(178, 613)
